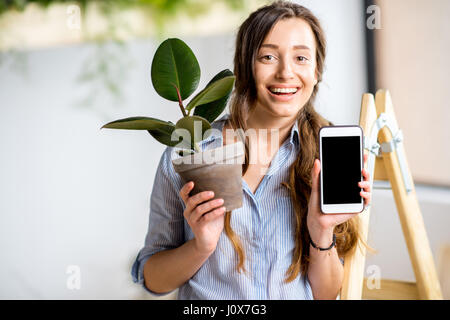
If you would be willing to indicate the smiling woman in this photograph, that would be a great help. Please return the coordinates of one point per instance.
(288, 51)
(265, 250)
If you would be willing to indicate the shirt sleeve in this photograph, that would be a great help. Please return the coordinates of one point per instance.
(166, 220)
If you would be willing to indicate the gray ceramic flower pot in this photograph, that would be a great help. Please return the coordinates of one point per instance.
(218, 170)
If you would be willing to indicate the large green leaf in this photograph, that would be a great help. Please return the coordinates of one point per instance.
(210, 111)
(164, 137)
(138, 123)
(190, 123)
(222, 74)
(175, 65)
(215, 91)
(160, 130)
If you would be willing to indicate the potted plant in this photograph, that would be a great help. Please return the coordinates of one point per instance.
(175, 75)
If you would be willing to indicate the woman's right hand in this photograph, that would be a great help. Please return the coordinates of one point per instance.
(206, 218)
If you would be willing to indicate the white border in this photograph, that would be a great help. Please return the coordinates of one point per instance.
(340, 131)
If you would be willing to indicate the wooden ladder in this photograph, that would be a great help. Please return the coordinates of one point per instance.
(378, 121)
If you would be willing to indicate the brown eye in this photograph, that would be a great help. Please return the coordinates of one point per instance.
(266, 58)
(301, 58)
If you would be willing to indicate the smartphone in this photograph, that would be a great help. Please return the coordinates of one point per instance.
(341, 161)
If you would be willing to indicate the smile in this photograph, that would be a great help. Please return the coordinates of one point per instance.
(283, 90)
(283, 94)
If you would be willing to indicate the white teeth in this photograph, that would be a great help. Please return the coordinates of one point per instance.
(283, 90)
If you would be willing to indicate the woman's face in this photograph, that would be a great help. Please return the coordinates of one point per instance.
(285, 68)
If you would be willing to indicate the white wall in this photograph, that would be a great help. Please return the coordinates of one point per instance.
(419, 88)
(72, 194)
(344, 80)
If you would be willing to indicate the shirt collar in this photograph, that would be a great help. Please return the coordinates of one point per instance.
(294, 137)
(215, 138)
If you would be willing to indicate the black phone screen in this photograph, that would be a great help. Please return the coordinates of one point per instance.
(341, 169)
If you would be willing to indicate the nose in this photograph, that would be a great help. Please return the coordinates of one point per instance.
(285, 70)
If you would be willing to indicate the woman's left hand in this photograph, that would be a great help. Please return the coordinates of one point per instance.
(321, 225)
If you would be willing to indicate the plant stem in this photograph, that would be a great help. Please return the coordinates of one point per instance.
(180, 102)
(182, 109)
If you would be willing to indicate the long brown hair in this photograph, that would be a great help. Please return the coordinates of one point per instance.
(248, 41)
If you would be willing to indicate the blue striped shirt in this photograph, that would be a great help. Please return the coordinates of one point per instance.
(265, 224)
